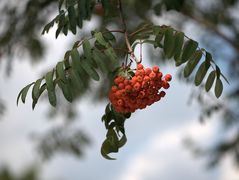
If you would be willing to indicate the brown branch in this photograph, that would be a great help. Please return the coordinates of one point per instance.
(126, 32)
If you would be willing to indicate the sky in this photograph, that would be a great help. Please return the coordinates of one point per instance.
(154, 150)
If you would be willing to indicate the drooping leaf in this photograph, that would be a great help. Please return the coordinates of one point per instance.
(23, 93)
(36, 89)
(42, 89)
(65, 87)
(88, 53)
(90, 70)
(106, 149)
(122, 141)
(192, 63)
(168, 42)
(210, 80)
(76, 79)
(50, 88)
(72, 19)
(188, 50)
(108, 35)
(218, 88)
(112, 55)
(99, 37)
(60, 70)
(100, 58)
(202, 71)
(179, 39)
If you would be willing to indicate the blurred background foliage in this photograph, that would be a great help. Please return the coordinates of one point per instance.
(21, 25)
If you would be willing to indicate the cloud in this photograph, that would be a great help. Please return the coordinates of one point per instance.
(165, 158)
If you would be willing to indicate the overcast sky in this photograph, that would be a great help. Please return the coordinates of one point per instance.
(154, 150)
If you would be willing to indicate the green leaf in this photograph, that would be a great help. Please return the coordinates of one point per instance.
(179, 39)
(77, 81)
(192, 63)
(90, 71)
(157, 30)
(218, 88)
(168, 43)
(65, 87)
(210, 80)
(188, 50)
(42, 89)
(202, 71)
(122, 141)
(100, 58)
(112, 55)
(36, 89)
(60, 70)
(82, 8)
(75, 55)
(88, 53)
(108, 35)
(99, 37)
(72, 19)
(106, 149)
(23, 93)
(50, 88)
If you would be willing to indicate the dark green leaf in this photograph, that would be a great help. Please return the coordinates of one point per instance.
(72, 19)
(23, 93)
(106, 149)
(60, 70)
(50, 88)
(168, 42)
(90, 71)
(65, 87)
(188, 50)
(109, 36)
(42, 89)
(100, 60)
(192, 63)
(99, 37)
(210, 80)
(36, 89)
(112, 55)
(82, 8)
(179, 39)
(76, 79)
(122, 141)
(202, 71)
(218, 88)
(88, 53)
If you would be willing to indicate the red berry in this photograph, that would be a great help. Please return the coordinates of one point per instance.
(168, 77)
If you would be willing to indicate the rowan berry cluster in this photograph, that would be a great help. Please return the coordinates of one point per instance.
(142, 89)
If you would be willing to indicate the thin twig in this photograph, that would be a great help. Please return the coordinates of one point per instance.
(126, 32)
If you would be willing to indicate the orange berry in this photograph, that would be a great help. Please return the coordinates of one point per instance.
(162, 94)
(146, 78)
(128, 88)
(121, 85)
(148, 71)
(114, 88)
(152, 75)
(159, 75)
(155, 69)
(137, 86)
(120, 102)
(140, 66)
(139, 79)
(168, 77)
(126, 82)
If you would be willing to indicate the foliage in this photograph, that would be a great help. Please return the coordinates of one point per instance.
(100, 58)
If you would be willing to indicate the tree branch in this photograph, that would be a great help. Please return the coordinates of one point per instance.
(126, 32)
